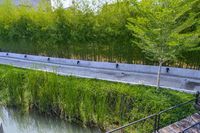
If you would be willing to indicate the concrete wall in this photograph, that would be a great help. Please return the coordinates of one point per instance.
(106, 65)
(33, 3)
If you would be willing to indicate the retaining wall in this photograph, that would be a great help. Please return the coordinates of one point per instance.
(106, 65)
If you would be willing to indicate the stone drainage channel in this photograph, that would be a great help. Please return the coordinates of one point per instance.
(186, 80)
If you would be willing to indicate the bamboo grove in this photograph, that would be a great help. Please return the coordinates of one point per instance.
(78, 32)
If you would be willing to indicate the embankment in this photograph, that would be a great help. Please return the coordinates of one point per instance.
(86, 101)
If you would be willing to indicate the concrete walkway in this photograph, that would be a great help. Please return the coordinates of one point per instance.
(172, 82)
(184, 126)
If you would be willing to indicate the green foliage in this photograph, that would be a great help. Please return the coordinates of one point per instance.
(159, 25)
(189, 54)
(160, 29)
(87, 101)
(78, 32)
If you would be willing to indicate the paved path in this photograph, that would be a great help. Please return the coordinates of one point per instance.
(172, 82)
(187, 125)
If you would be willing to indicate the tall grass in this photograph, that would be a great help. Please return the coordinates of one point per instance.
(86, 101)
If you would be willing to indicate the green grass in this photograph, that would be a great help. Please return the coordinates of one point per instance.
(86, 101)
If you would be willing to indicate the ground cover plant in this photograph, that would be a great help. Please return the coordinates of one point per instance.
(89, 102)
(81, 32)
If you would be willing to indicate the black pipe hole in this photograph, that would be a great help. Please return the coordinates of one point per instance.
(117, 65)
(167, 69)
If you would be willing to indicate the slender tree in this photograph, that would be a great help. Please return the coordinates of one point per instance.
(159, 28)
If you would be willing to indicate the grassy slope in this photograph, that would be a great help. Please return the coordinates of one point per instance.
(87, 101)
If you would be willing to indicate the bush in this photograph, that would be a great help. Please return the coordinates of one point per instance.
(79, 33)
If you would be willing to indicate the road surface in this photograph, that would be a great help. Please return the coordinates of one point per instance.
(171, 82)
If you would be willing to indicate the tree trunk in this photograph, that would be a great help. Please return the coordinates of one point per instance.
(158, 76)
